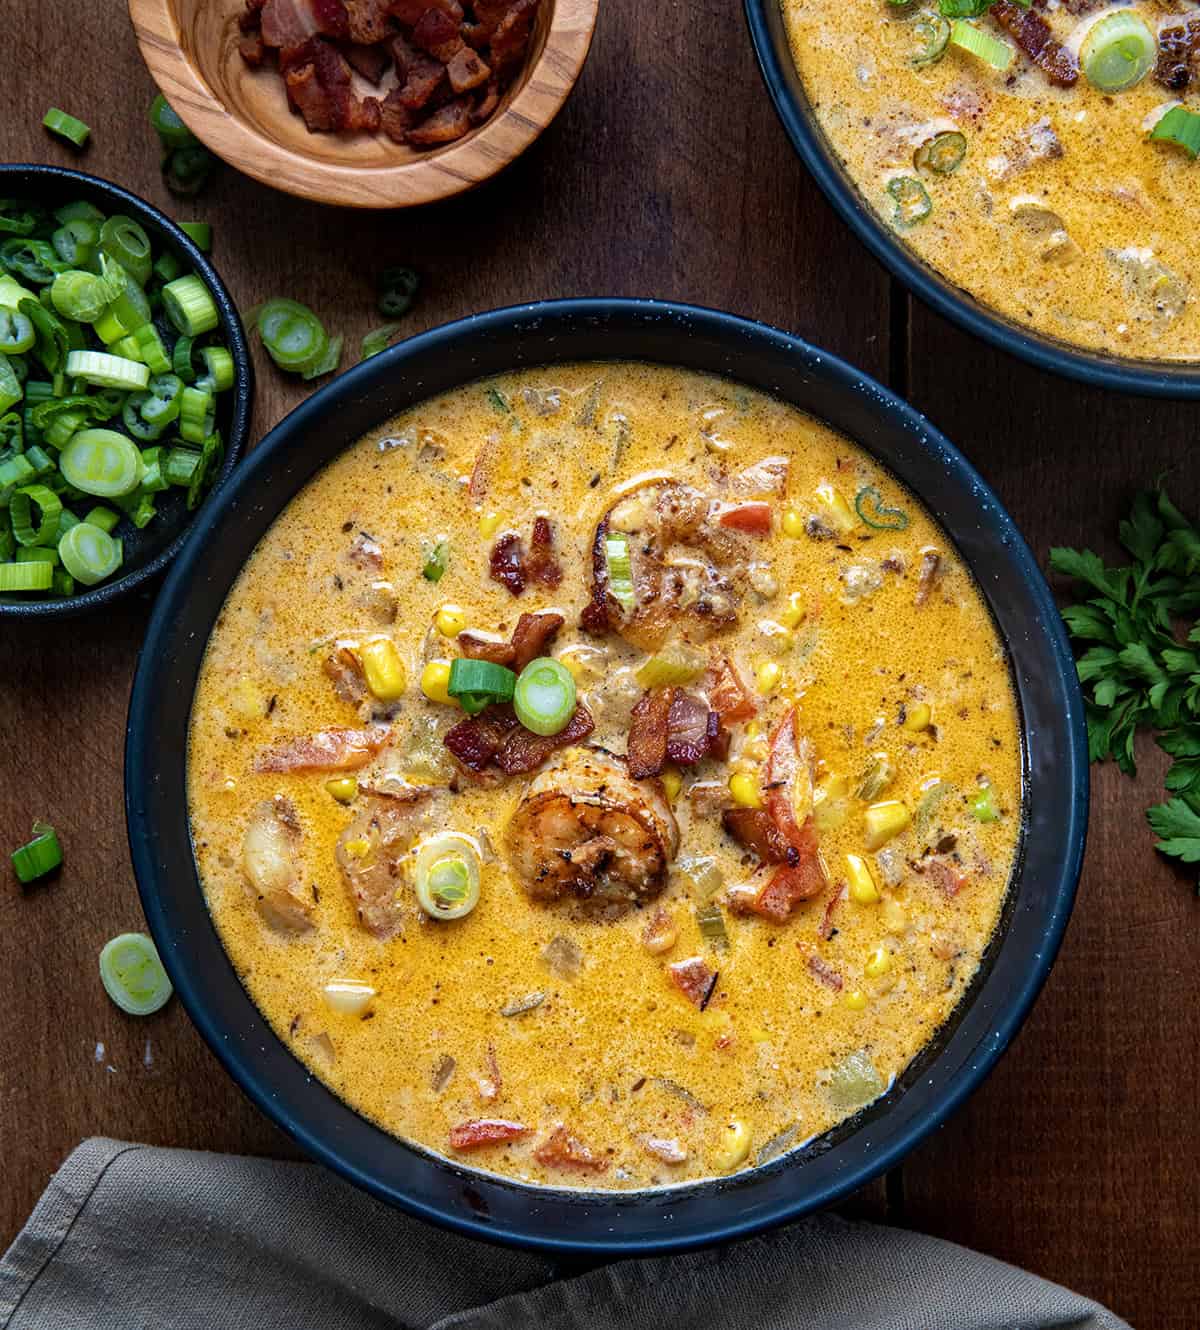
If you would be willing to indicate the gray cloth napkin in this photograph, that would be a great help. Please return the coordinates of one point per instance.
(128, 1237)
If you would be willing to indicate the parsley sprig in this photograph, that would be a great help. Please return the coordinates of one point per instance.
(1142, 669)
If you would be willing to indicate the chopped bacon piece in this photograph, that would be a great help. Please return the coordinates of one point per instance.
(789, 778)
(484, 108)
(646, 751)
(671, 725)
(825, 973)
(395, 117)
(290, 23)
(755, 829)
(727, 694)
(479, 1132)
(368, 22)
(343, 667)
(369, 61)
(541, 566)
(476, 740)
(511, 36)
(1178, 55)
(532, 635)
(506, 564)
(524, 751)
(1035, 37)
(694, 979)
(466, 70)
(327, 750)
(693, 732)
(436, 32)
(320, 90)
(826, 929)
(418, 75)
(510, 565)
(562, 1150)
(306, 95)
(250, 19)
(252, 48)
(410, 11)
(945, 874)
(753, 518)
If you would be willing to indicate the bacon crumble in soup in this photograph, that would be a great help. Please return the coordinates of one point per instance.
(606, 776)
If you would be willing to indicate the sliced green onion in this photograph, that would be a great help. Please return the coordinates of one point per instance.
(14, 471)
(197, 411)
(434, 567)
(40, 460)
(933, 34)
(63, 583)
(544, 696)
(182, 361)
(66, 520)
(132, 306)
(397, 289)
(1180, 127)
(1118, 51)
(18, 217)
(912, 201)
(983, 805)
(151, 350)
(20, 508)
(942, 154)
(212, 454)
(967, 37)
(109, 328)
(446, 876)
(108, 371)
(16, 332)
(42, 855)
(218, 363)
(167, 267)
(104, 518)
(35, 261)
(133, 975)
(478, 683)
(378, 339)
(79, 295)
(620, 570)
(36, 553)
(75, 241)
(329, 361)
(89, 554)
(78, 210)
(25, 577)
(101, 462)
(128, 349)
(167, 124)
(63, 428)
(126, 241)
(12, 434)
(293, 335)
(868, 504)
(138, 507)
(189, 305)
(10, 386)
(52, 342)
(186, 170)
(180, 465)
(199, 233)
(66, 126)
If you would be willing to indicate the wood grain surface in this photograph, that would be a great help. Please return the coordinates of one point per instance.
(666, 174)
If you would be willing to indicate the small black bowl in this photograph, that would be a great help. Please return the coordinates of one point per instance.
(1055, 776)
(1150, 378)
(147, 552)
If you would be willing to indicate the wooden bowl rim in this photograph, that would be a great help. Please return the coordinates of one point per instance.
(442, 174)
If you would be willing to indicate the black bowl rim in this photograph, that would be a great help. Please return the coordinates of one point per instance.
(243, 395)
(547, 1214)
(1147, 378)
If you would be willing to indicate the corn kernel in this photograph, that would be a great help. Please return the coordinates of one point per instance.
(753, 729)
(759, 1035)
(357, 849)
(435, 679)
(792, 616)
(917, 716)
(879, 962)
(768, 676)
(894, 915)
(792, 523)
(883, 821)
(672, 780)
(862, 884)
(383, 668)
(342, 788)
(450, 620)
(489, 524)
(744, 789)
(855, 999)
(733, 1147)
(835, 507)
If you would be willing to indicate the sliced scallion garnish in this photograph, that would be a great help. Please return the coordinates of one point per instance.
(189, 306)
(434, 567)
(89, 554)
(991, 50)
(101, 462)
(1118, 51)
(133, 975)
(42, 855)
(108, 371)
(619, 570)
(544, 696)
(477, 683)
(199, 233)
(942, 154)
(446, 876)
(1180, 127)
(295, 338)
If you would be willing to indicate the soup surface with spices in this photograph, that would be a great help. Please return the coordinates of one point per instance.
(1040, 155)
(605, 776)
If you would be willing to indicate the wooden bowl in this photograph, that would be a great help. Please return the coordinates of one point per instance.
(241, 114)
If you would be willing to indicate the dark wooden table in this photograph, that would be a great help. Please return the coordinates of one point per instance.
(666, 175)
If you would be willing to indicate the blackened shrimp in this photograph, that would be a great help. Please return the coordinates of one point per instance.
(586, 829)
(271, 863)
(375, 850)
(687, 568)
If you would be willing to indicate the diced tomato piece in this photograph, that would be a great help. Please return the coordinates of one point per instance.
(562, 1150)
(753, 518)
(728, 695)
(694, 979)
(477, 1133)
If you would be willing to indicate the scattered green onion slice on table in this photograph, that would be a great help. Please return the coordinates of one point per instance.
(1118, 51)
(933, 33)
(378, 339)
(133, 975)
(167, 124)
(912, 201)
(942, 154)
(544, 696)
(101, 462)
(1180, 127)
(868, 504)
(478, 683)
(199, 233)
(189, 305)
(41, 855)
(294, 337)
(108, 371)
(991, 50)
(397, 290)
(619, 569)
(434, 567)
(329, 361)
(446, 876)
(66, 126)
(89, 554)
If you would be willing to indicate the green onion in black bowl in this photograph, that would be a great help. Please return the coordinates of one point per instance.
(126, 385)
